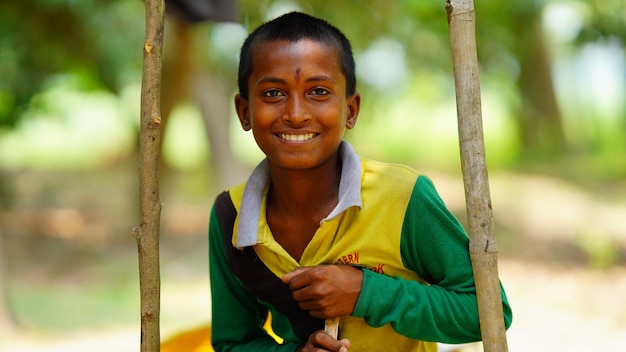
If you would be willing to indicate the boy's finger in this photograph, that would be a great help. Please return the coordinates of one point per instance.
(345, 342)
(287, 277)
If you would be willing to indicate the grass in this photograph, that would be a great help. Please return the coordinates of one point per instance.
(63, 306)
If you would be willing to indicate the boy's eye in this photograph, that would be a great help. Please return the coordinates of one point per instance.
(319, 91)
(272, 93)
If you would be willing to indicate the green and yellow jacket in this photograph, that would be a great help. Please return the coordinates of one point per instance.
(418, 287)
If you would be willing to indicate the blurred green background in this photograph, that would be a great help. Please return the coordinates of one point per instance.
(553, 81)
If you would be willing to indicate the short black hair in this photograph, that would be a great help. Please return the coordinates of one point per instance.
(293, 27)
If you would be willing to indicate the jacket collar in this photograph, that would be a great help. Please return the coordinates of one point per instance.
(254, 192)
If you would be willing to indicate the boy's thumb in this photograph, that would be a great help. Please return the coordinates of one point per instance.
(287, 277)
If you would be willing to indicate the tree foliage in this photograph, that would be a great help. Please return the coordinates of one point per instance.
(95, 40)
(606, 19)
(98, 40)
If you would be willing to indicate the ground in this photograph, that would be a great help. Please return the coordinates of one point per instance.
(70, 263)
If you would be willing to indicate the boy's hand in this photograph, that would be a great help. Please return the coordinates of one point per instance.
(320, 341)
(326, 291)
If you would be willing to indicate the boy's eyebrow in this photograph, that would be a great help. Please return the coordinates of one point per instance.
(280, 80)
(320, 78)
(270, 80)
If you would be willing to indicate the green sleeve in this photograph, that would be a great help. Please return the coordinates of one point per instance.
(237, 315)
(435, 246)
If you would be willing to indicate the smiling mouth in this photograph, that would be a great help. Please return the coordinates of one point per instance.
(296, 137)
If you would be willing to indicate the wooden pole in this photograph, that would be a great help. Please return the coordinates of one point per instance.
(483, 246)
(147, 233)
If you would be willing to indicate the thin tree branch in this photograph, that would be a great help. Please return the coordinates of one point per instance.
(483, 245)
(147, 233)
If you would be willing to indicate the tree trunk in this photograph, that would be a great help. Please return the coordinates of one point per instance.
(7, 324)
(483, 247)
(215, 101)
(194, 79)
(147, 233)
(540, 124)
(177, 68)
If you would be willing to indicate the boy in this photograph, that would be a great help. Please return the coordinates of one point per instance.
(317, 232)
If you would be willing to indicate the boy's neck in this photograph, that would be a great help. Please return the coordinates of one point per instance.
(305, 191)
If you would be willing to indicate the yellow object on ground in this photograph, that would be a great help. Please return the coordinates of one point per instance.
(199, 339)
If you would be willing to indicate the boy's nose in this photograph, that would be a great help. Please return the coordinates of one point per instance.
(296, 112)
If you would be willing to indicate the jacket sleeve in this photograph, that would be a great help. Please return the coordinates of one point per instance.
(237, 315)
(436, 247)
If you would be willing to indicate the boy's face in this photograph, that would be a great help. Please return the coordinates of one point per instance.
(297, 107)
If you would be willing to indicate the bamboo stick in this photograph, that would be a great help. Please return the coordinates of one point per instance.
(331, 326)
(147, 233)
(483, 246)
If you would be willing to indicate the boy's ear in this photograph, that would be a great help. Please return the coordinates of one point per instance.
(354, 105)
(241, 106)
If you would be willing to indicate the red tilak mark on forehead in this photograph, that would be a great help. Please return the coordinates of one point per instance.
(298, 70)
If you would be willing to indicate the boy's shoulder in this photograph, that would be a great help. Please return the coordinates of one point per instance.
(392, 176)
(236, 194)
(394, 171)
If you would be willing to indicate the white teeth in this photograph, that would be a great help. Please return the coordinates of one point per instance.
(297, 137)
